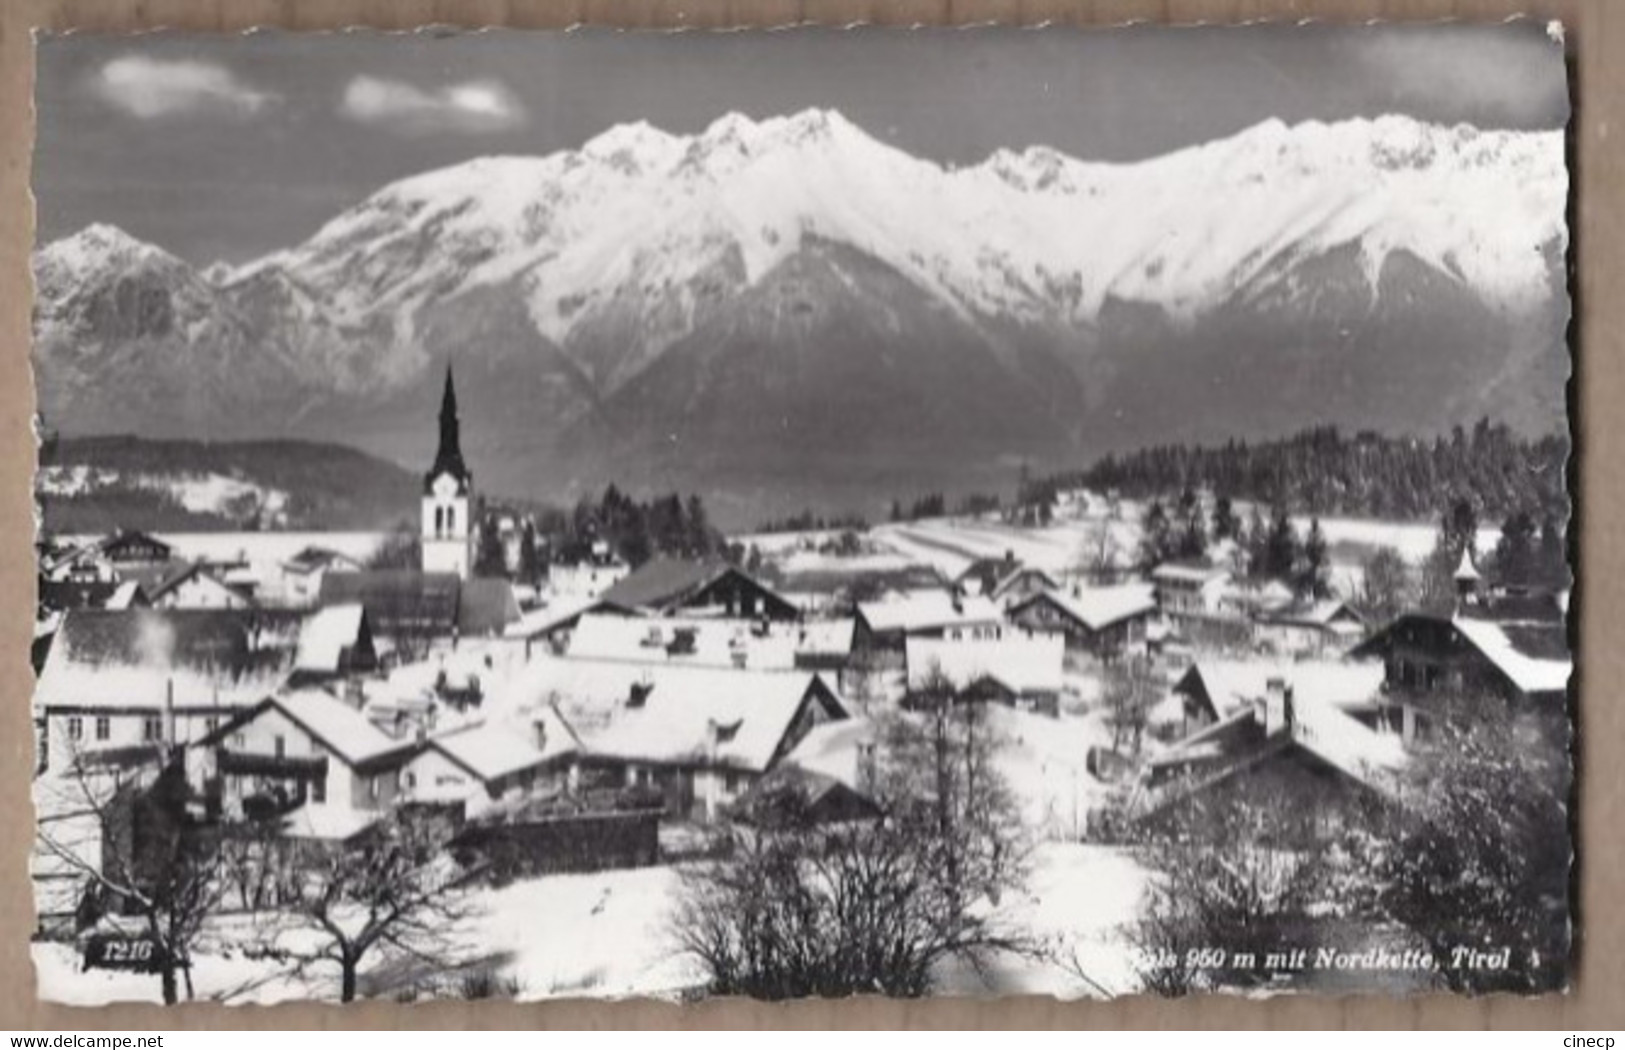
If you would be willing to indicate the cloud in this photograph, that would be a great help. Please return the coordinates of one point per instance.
(475, 106)
(150, 88)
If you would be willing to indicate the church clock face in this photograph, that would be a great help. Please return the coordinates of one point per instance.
(445, 487)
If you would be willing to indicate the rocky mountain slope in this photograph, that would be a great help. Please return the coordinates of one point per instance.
(794, 304)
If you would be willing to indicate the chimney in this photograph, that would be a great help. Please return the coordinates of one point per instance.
(1277, 706)
(539, 734)
(169, 717)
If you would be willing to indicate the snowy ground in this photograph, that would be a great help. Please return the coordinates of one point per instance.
(1073, 539)
(609, 935)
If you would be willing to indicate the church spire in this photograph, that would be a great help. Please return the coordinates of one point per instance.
(448, 458)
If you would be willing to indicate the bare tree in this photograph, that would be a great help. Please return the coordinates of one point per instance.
(1129, 692)
(397, 891)
(1236, 876)
(873, 906)
(253, 866)
(1098, 552)
(1385, 588)
(143, 856)
(1479, 857)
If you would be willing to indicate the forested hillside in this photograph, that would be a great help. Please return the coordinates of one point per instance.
(1324, 471)
(93, 484)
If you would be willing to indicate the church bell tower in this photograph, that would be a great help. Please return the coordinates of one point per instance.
(448, 498)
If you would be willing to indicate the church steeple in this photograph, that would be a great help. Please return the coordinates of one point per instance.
(448, 458)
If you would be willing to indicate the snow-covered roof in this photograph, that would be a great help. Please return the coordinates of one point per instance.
(329, 823)
(312, 558)
(492, 750)
(1100, 607)
(1186, 572)
(125, 595)
(1312, 614)
(825, 637)
(146, 658)
(669, 713)
(536, 622)
(698, 642)
(1232, 684)
(663, 584)
(1531, 674)
(176, 575)
(1022, 662)
(928, 610)
(343, 729)
(1345, 743)
(325, 636)
(1318, 727)
(832, 748)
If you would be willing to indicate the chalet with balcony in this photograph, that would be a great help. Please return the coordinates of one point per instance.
(1102, 622)
(699, 736)
(307, 758)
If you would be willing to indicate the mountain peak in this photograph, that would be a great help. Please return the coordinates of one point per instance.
(103, 238)
(100, 247)
(635, 137)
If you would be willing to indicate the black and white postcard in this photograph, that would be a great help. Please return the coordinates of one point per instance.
(802, 513)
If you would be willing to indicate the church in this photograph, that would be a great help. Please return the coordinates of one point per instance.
(442, 599)
(448, 497)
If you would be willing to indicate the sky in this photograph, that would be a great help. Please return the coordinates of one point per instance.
(228, 147)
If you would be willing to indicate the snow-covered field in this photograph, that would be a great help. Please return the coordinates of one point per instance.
(609, 935)
(1074, 539)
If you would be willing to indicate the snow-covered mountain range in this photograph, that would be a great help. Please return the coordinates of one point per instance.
(793, 298)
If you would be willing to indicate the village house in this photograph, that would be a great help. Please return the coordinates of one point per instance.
(1508, 642)
(695, 588)
(74, 575)
(588, 577)
(1189, 588)
(128, 549)
(1309, 628)
(334, 642)
(881, 627)
(195, 586)
(61, 560)
(306, 757)
(1203, 606)
(1020, 669)
(790, 796)
(1213, 690)
(418, 611)
(1426, 655)
(1102, 622)
(476, 765)
(1297, 752)
(698, 736)
(1005, 580)
(301, 575)
(137, 681)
